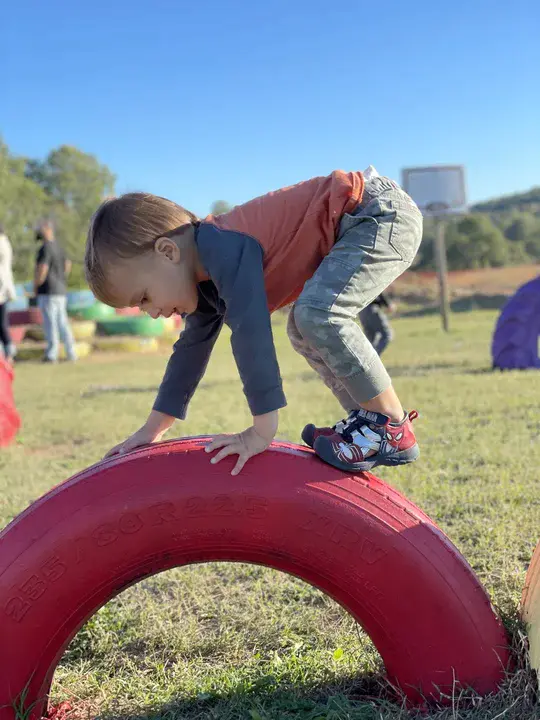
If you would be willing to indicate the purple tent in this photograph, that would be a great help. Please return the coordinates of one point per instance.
(515, 343)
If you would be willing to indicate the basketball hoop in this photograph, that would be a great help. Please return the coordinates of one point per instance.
(439, 191)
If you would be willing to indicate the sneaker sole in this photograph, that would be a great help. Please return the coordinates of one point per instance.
(325, 453)
(405, 457)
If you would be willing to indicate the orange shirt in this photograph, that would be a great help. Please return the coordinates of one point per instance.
(296, 228)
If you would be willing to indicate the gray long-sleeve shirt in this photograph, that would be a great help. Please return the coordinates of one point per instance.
(235, 295)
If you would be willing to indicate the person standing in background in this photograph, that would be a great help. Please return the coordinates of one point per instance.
(52, 268)
(376, 324)
(7, 293)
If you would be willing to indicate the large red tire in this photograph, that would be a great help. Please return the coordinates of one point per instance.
(356, 538)
(10, 421)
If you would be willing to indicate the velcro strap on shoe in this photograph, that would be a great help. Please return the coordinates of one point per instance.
(366, 439)
(372, 417)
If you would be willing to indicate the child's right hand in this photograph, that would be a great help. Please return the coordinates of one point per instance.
(151, 432)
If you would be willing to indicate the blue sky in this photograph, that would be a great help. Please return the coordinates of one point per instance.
(201, 100)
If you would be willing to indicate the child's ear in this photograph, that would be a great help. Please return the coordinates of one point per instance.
(167, 247)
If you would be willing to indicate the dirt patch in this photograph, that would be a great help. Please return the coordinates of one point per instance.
(500, 283)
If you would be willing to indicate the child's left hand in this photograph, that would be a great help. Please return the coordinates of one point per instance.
(246, 444)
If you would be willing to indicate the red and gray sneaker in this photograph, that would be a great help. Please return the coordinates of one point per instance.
(348, 447)
(310, 433)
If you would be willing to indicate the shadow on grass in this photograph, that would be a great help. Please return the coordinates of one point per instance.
(367, 696)
(357, 698)
(308, 376)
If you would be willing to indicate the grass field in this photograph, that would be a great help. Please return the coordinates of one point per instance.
(236, 641)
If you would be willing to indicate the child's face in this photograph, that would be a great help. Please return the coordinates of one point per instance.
(161, 282)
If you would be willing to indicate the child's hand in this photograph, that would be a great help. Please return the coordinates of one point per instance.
(141, 437)
(246, 444)
(151, 432)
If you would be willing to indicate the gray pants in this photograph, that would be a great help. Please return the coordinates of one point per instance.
(56, 325)
(375, 245)
(376, 327)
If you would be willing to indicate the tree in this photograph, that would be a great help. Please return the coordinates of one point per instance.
(66, 187)
(219, 207)
(75, 184)
(474, 242)
(529, 200)
(519, 227)
(22, 205)
(532, 243)
(73, 178)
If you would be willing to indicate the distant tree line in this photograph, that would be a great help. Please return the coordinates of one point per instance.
(494, 234)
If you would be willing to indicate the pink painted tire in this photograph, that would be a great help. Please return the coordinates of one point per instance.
(32, 316)
(10, 422)
(164, 506)
(18, 333)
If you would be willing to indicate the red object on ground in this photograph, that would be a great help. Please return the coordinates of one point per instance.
(32, 316)
(163, 506)
(10, 422)
(59, 712)
(17, 334)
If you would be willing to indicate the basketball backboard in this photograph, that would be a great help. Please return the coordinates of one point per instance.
(437, 189)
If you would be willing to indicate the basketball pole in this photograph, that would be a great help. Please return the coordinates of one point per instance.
(442, 270)
(438, 190)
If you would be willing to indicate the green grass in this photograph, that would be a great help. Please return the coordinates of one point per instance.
(238, 641)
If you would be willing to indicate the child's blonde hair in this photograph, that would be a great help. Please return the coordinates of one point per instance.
(125, 227)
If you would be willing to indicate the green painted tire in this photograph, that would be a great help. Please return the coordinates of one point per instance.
(141, 325)
(97, 311)
(35, 351)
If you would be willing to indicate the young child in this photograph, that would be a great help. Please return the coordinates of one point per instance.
(376, 324)
(330, 244)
